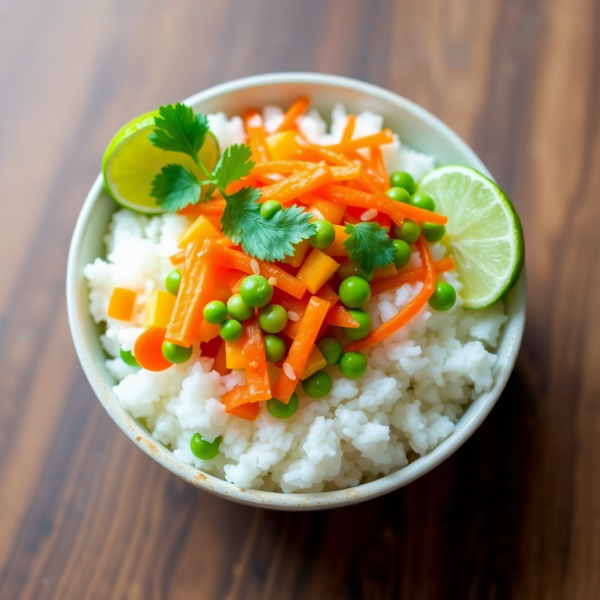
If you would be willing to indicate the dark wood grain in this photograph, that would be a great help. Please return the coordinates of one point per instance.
(515, 513)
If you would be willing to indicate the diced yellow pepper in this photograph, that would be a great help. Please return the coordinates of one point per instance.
(159, 308)
(201, 229)
(207, 331)
(282, 146)
(234, 355)
(299, 255)
(316, 270)
(325, 209)
(316, 361)
(337, 248)
(388, 271)
(121, 304)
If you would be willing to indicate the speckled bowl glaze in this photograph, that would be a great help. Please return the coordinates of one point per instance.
(417, 128)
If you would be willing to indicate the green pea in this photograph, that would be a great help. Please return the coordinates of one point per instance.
(256, 291)
(331, 349)
(354, 292)
(317, 385)
(176, 354)
(324, 235)
(398, 194)
(353, 365)
(274, 348)
(269, 208)
(351, 269)
(365, 324)
(231, 330)
(422, 200)
(173, 281)
(202, 449)
(409, 232)
(444, 297)
(238, 309)
(433, 232)
(281, 410)
(404, 180)
(272, 318)
(128, 358)
(215, 312)
(402, 253)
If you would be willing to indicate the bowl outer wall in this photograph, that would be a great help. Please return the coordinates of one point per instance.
(418, 129)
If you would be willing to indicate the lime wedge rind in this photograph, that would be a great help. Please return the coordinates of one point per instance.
(484, 233)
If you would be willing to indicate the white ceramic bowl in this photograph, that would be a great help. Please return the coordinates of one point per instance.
(418, 129)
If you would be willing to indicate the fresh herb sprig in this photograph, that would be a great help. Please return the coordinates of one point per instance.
(369, 245)
(178, 129)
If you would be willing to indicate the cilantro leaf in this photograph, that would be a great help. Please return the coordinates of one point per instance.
(268, 240)
(234, 164)
(175, 187)
(369, 245)
(178, 129)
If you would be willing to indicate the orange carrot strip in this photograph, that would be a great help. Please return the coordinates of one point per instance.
(220, 365)
(257, 375)
(177, 258)
(367, 141)
(121, 304)
(349, 128)
(298, 183)
(280, 166)
(148, 350)
(403, 316)
(293, 112)
(236, 404)
(443, 265)
(346, 172)
(395, 281)
(378, 162)
(212, 207)
(256, 136)
(294, 364)
(195, 291)
(339, 316)
(234, 259)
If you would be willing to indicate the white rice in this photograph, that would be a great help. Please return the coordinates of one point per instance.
(417, 385)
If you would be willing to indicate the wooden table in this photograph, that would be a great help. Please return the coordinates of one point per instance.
(514, 514)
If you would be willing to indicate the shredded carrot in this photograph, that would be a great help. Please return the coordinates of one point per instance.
(298, 183)
(214, 207)
(281, 166)
(294, 111)
(195, 291)
(378, 163)
(339, 316)
(443, 265)
(234, 259)
(349, 128)
(367, 141)
(395, 281)
(257, 375)
(346, 172)
(177, 258)
(256, 136)
(409, 311)
(236, 404)
(148, 350)
(220, 365)
(315, 314)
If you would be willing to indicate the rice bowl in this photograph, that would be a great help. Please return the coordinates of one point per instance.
(361, 430)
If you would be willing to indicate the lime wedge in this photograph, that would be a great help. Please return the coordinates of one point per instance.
(130, 163)
(483, 232)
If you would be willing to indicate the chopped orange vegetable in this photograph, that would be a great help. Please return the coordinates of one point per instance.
(207, 331)
(337, 248)
(444, 264)
(339, 316)
(121, 304)
(411, 276)
(378, 163)
(214, 207)
(299, 254)
(349, 128)
(300, 350)
(195, 291)
(281, 166)
(298, 183)
(257, 375)
(222, 290)
(389, 271)
(282, 146)
(159, 309)
(220, 364)
(405, 314)
(234, 355)
(148, 350)
(316, 270)
(325, 292)
(201, 229)
(367, 141)
(315, 361)
(177, 258)
(235, 405)
(324, 209)
(346, 172)
(294, 111)
(256, 136)
(234, 259)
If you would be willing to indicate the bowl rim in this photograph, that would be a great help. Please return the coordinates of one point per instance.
(465, 427)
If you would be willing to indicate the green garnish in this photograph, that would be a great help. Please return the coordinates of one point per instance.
(178, 129)
(369, 246)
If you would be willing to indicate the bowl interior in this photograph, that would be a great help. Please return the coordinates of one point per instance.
(418, 129)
